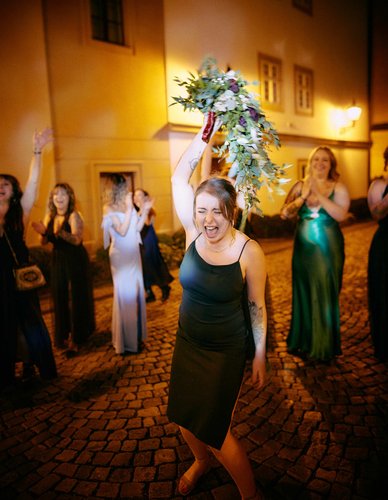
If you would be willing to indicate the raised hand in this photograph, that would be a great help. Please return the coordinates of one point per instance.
(211, 126)
(306, 188)
(148, 204)
(41, 139)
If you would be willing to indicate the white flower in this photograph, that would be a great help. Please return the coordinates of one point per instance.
(247, 136)
(220, 106)
(242, 140)
(226, 102)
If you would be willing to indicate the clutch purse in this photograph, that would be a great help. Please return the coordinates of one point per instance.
(26, 277)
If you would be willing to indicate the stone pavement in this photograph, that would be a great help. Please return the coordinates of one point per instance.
(100, 430)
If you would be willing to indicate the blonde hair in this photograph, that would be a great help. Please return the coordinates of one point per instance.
(115, 190)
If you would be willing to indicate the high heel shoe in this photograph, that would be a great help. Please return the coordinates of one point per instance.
(186, 485)
(150, 297)
(165, 293)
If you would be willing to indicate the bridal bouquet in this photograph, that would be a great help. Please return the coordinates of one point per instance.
(249, 135)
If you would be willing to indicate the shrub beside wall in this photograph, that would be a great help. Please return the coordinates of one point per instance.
(172, 246)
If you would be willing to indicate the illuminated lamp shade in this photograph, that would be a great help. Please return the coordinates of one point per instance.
(353, 113)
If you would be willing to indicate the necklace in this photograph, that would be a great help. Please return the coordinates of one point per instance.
(219, 250)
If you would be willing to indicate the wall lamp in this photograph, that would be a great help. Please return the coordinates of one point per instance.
(353, 113)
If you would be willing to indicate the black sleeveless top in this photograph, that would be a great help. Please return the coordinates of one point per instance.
(211, 312)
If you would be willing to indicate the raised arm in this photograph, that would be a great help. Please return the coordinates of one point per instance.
(182, 190)
(254, 262)
(122, 227)
(40, 140)
(378, 205)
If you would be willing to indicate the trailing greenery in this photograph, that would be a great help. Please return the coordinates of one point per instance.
(249, 135)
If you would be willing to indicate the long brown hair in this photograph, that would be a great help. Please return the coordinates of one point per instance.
(70, 192)
(14, 216)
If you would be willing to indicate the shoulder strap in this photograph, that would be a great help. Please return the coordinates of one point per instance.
(243, 249)
(10, 247)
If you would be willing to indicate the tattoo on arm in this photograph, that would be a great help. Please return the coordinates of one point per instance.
(193, 164)
(293, 207)
(257, 321)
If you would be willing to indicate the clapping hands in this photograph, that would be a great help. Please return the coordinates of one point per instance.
(148, 204)
(39, 227)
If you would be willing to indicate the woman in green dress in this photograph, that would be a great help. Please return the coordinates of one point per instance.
(320, 202)
(221, 269)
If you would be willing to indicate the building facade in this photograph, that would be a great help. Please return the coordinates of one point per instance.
(109, 100)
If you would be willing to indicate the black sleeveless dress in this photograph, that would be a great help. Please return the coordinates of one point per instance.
(378, 288)
(20, 311)
(155, 270)
(71, 286)
(210, 350)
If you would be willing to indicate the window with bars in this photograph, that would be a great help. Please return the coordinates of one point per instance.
(270, 76)
(304, 91)
(107, 21)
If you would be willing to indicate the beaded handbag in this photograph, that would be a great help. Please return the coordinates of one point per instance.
(26, 277)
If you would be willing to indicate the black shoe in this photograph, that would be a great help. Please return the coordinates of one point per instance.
(165, 293)
(28, 371)
(150, 296)
(71, 353)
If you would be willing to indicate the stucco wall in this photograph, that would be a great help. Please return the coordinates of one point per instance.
(109, 104)
(331, 42)
(25, 95)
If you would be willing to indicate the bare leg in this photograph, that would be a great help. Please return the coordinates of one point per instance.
(199, 466)
(235, 460)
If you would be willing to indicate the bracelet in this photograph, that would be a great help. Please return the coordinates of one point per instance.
(37, 152)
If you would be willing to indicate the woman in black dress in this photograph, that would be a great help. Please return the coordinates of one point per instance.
(155, 270)
(378, 264)
(23, 333)
(221, 267)
(71, 282)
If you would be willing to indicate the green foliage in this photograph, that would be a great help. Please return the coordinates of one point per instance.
(249, 135)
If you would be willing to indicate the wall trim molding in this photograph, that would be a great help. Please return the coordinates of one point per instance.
(379, 126)
(288, 138)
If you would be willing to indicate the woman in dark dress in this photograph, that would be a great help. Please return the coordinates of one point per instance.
(320, 201)
(378, 264)
(155, 270)
(221, 264)
(23, 333)
(71, 282)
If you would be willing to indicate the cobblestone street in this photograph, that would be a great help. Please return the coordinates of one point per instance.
(100, 430)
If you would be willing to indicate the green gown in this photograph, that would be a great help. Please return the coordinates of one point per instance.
(317, 266)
